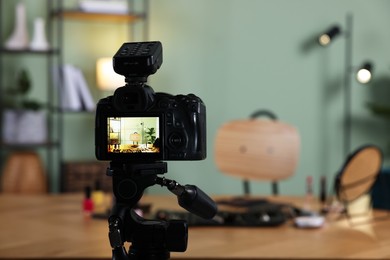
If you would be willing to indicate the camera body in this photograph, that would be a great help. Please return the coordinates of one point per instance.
(138, 125)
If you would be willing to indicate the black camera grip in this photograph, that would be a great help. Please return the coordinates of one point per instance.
(196, 125)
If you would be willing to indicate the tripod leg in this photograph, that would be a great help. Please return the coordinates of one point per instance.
(116, 232)
(119, 253)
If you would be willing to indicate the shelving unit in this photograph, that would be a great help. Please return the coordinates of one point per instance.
(75, 14)
(49, 149)
(55, 17)
(131, 17)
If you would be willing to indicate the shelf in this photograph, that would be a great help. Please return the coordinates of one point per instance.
(69, 111)
(27, 51)
(79, 15)
(77, 112)
(18, 146)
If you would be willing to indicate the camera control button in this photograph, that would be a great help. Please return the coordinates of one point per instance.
(163, 104)
(175, 140)
(179, 124)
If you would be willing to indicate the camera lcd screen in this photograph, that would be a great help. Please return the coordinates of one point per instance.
(133, 135)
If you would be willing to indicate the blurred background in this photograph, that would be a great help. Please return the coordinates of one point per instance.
(239, 57)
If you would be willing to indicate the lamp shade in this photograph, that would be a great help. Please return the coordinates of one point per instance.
(364, 73)
(106, 77)
(325, 38)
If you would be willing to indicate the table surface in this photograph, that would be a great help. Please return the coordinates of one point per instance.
(54, 226)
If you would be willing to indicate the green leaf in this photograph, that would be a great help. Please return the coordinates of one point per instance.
(24, 83)
(379, 110)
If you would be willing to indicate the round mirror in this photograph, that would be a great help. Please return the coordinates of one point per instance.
(359, 173)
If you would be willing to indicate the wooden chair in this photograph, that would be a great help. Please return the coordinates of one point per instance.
(24, 174)
(257, 149)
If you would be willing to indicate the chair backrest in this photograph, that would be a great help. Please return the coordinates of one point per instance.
(24, 174)
(257, 149)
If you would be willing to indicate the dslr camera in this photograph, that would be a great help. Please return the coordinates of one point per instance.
(136, 124)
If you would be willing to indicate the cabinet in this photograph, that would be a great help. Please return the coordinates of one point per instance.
(73, 38)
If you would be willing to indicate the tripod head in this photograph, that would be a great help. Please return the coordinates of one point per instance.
(151, 239)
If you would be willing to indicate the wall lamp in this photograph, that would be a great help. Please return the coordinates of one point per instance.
(326, 38)
(363, 74)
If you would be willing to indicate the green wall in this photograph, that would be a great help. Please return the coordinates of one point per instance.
(241, 56)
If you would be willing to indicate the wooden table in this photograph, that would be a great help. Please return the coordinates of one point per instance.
(54, 227)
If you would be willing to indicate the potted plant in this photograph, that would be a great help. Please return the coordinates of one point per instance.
(24, 121)
(381, 110)
(150, 135)
(379, 101)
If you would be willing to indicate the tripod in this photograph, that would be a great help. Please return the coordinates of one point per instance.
(150, 239)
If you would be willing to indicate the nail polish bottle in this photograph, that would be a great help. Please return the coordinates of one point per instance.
(323, 195)
(309, 193)
(98, 198)
(87, 202)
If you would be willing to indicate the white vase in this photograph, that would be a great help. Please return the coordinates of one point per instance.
(39, 41)
(19, 37)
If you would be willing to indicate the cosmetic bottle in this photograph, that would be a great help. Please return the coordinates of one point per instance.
(309, 193)
(87, 202)
(99, 199)
(323, 195)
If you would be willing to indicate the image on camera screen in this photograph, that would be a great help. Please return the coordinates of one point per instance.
(133, 134)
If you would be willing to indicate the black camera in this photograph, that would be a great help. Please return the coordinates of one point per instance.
(138, 125)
